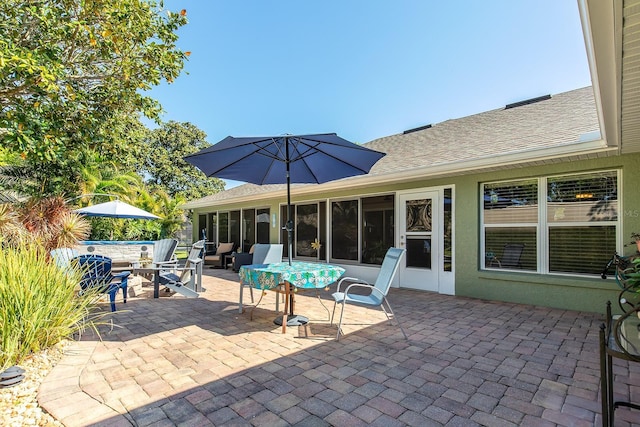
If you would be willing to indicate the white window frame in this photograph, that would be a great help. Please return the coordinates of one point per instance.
(543, 226)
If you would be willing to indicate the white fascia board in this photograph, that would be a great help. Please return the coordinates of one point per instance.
(464, 166)
(602, 30)
(195, 204)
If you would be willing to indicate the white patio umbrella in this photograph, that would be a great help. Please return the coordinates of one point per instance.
(116, 209)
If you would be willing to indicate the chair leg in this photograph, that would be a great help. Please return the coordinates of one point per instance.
(393, 315)
(262, 292)
(112, 298)
(340, 322)
(240, 299)
(333, 312)
(251, 292)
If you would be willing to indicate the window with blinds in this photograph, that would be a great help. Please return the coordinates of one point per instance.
(582, 215)
(554, 224)
(510, 217)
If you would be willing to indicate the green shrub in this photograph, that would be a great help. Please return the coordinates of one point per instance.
(39, 305)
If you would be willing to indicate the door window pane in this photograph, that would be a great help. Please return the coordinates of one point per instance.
(419, 252)
(263, 222)
(284, 235)
(419, 215)
(322, 227)
(212, 228)
(448, 229)
(223, 227)
(307, 230)
(377, 228)
(234, 228)
(248, 229)
(202, 227)
(344, 230)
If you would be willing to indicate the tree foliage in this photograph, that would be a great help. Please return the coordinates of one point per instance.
(73, 75)
(165, 167)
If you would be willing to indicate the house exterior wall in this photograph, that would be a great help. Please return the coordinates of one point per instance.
(560, 291)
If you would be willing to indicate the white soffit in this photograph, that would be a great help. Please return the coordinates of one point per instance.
(630, 71)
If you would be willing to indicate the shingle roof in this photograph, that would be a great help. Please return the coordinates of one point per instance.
(558, 121)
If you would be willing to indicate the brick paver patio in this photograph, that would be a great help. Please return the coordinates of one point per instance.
(197, 362)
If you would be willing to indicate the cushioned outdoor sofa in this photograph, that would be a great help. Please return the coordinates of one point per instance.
(219, 259)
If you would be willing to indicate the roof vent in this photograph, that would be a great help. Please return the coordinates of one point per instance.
(527, 102)
(416, 129)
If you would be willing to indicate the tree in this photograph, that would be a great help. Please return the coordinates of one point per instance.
(165, 167)
(72, 72)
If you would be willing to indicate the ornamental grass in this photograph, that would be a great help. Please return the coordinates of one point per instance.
(39, 303)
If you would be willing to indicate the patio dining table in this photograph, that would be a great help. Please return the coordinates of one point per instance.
(298, 275)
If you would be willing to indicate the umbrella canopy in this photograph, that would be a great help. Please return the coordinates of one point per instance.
(285, 159)
(116, 209)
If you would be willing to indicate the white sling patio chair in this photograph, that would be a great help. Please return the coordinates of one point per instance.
(63, 256)
(375, 295)
(263, 253)
(189, 282)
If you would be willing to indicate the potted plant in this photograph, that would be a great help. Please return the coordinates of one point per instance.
(635, 239)
(145, 262)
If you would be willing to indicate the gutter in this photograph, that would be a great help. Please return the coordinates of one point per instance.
(520, 158)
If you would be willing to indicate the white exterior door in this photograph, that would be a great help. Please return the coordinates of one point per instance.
(419, 234)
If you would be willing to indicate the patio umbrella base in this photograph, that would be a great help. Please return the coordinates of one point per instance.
(295, 320)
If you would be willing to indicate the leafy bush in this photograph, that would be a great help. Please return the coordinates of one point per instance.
(38, 303)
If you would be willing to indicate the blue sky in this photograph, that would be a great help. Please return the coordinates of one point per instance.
(366, 68)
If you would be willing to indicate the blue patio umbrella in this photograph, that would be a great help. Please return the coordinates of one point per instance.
(285, 159)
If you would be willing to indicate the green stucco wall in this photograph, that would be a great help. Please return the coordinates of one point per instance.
(576, 293)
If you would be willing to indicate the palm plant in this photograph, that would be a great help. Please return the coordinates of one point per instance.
(48, 221)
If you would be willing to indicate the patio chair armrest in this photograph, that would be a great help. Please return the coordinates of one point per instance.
(374, 292)
(122, 278)
(351, 280)
(121, 274)
(184, 268)
(164, 263)
(360, 285)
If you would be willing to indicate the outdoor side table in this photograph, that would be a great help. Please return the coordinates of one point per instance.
(145, 271)
(619, 338)
(298, 275)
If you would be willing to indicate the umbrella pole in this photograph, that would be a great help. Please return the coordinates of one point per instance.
(289, 225)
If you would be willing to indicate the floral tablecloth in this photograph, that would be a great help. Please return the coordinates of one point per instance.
(306, 275)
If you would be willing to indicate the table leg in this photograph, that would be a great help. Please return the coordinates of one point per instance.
(289, 300)
(287, 291)
(323, 306)
(604, 390)
(156, 284)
